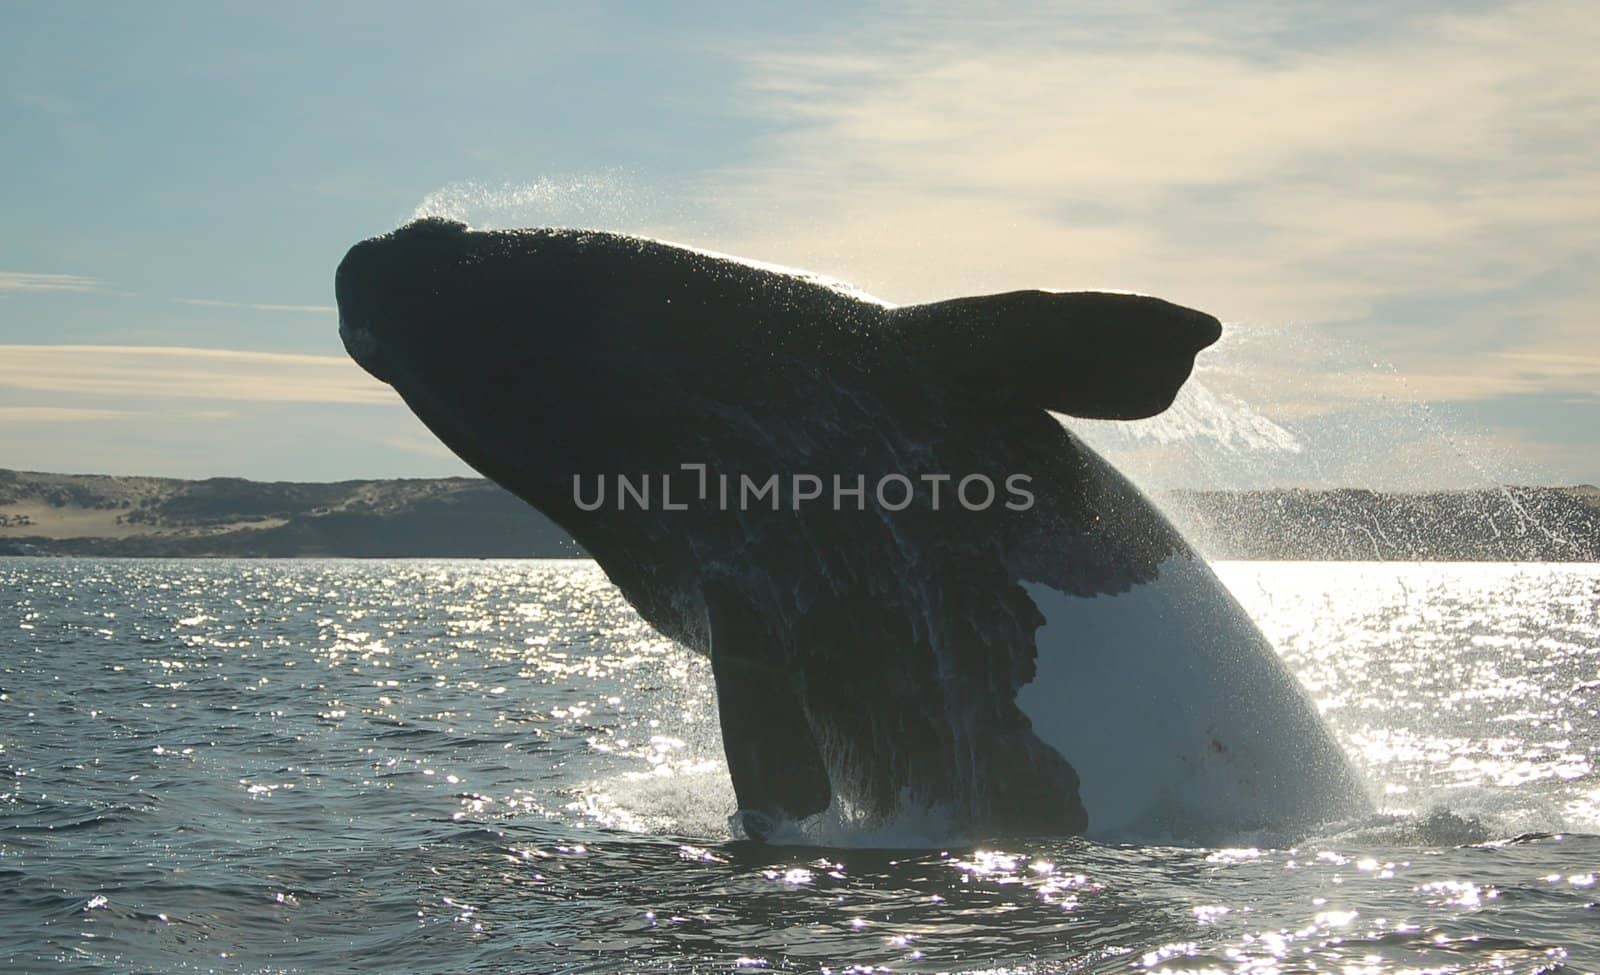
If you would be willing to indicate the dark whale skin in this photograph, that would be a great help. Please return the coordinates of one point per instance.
(865, 657)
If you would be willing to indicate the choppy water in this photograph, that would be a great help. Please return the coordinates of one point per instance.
(495, 766)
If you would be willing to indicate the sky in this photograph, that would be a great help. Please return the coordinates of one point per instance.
(1393, 207)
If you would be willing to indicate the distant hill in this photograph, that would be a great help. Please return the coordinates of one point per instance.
(74, 514)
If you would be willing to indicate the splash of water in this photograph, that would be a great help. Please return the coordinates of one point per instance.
(610, 200)
(1277, 411)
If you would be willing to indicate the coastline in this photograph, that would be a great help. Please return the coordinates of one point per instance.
(43, 514)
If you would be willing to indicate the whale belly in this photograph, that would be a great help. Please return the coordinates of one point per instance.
(1178, 716)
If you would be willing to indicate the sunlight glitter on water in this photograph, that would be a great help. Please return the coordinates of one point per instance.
(1453, 689)
(418, 767)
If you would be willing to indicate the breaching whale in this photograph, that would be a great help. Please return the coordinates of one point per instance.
(917, 589)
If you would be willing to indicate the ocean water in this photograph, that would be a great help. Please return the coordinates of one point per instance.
(467, 766)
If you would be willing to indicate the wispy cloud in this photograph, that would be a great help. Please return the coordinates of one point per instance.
(416, 440)
(187, 373)
(1434, 183)
(15, 281)
(258, 306)
(1402, 207)
(194, 412)
(1213, 160)
(24, 415)
(58, 414)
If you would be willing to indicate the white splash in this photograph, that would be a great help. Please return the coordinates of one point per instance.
(612, 200)
(1198, 414)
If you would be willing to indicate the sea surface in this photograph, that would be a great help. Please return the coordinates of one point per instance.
(470, 766)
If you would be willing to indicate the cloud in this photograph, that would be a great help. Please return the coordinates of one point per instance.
(27, 282)
(1244, 173)
(194, 412)
(256, 306)
(187, 373)
(415, 439)
(1240, 162)
(22, 415)
(1390, 211)
(58, 414)
(23, 281)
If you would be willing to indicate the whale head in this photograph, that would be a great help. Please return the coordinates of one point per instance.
(493, 337)
(407, 299)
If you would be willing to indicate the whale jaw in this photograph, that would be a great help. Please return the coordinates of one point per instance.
(361, 346)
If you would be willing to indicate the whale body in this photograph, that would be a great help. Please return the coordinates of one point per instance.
(917, 589)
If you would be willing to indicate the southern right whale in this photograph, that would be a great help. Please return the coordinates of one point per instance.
(1046, 657)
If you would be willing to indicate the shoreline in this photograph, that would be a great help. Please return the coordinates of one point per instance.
(105, 516)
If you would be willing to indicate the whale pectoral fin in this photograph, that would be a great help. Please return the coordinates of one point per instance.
(773, 759)
(1090, 354)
